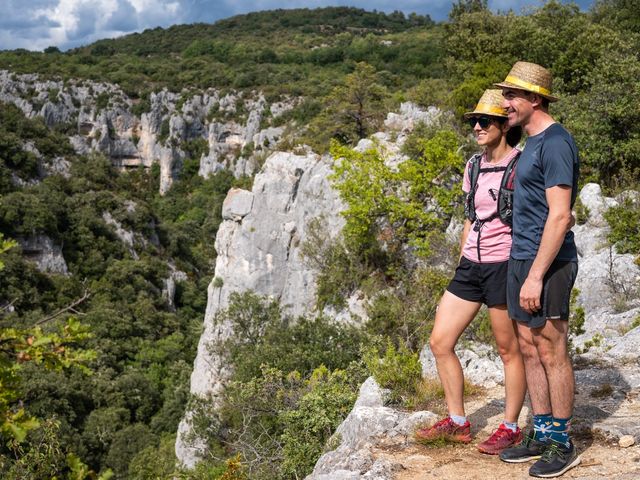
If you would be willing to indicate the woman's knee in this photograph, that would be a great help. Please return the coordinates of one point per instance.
(441, 346)
(509, 351)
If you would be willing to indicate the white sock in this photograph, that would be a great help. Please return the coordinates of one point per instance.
(513, 426)
(458, 419)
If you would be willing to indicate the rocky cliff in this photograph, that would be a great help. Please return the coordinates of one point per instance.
(99, 117)
(258, 246)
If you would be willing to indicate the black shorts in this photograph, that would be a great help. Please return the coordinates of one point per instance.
(480, 282)
(556, 291)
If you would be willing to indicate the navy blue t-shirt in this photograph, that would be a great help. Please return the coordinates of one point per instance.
(549, 159)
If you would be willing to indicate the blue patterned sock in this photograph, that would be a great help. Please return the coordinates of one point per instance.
(542, 425)
(560, 431)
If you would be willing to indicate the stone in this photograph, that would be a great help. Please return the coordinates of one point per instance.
(237, 204)
(596, 204)
(626, 441)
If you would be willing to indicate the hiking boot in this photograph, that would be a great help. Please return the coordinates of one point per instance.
(527, 449)
(502, 438)
(445, 429)
(556, 459)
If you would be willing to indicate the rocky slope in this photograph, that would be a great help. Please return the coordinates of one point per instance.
(258, 247)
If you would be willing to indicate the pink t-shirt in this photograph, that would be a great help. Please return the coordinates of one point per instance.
(495, 236)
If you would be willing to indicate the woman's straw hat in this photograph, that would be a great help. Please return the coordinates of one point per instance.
(529, 77)
(490, 103)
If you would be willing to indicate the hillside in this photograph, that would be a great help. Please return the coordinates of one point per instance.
(147, 182)
(286, 51)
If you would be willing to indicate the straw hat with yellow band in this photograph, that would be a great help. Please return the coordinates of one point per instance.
(529, 77)
(489, 104)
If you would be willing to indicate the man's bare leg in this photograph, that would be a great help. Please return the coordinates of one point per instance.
(537, 384)
(551, 345)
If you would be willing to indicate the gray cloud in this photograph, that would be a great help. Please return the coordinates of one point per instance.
(124, 19)
(36, 24)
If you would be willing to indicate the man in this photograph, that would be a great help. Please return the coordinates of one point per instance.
(542, 268)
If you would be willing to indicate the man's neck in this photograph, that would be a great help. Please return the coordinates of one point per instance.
(538, 122)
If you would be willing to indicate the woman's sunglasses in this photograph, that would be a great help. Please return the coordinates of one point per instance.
(483, 121)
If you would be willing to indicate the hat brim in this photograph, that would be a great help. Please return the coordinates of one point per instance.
(551, 98)
(489, 113)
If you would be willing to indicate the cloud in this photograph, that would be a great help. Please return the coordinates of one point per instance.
(37, 24)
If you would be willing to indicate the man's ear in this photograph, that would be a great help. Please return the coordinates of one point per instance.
(536, 99)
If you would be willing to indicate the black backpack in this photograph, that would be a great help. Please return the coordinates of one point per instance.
(505, 194)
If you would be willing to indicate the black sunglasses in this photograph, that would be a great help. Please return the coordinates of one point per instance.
(483, 120)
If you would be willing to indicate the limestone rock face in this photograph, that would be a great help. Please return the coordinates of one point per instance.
(104, 121)
(47, 256)
(258, 246)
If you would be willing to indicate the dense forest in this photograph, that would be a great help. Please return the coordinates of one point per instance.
(95, 364)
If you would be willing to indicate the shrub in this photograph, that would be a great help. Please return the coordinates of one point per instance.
(624, 221)
(263, 336)
(397, 369)
(340, 272)
(406, 312)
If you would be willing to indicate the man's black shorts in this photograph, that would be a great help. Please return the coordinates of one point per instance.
(556, 291)
(480, 282)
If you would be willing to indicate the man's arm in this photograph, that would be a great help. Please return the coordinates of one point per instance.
(555, 228)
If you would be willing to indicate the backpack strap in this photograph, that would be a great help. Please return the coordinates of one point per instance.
(474, 172)
(505, 194)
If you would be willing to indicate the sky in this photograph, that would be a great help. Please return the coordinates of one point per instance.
(37, 24)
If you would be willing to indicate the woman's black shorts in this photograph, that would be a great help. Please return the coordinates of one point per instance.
(480, 282)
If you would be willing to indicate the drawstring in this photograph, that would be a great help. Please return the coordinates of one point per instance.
(477, 227)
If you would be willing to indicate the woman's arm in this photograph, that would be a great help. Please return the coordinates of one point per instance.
(465, 234)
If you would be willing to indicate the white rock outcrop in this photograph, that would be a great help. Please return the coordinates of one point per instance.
(369, 423)
(258, 246)
(47, 255)
(609, 285)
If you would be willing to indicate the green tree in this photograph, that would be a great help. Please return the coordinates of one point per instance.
(355, 108)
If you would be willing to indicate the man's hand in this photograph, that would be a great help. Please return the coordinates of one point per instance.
(530, 294)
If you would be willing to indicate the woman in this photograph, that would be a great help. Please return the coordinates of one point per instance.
(481, 278)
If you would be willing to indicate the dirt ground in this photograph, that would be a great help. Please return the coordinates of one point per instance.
(600, 459)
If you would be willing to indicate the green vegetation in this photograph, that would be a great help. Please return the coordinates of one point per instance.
(292, 385)
(399, 370)
(293, 380)
(624, 221)
(140, 348)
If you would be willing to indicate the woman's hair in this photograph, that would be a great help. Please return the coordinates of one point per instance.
(514, 134)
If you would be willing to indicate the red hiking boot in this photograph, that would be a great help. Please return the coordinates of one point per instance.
(445, 429)
(502, 438)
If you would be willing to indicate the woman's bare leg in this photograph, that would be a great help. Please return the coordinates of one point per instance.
(452, 317)
(515, 382)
